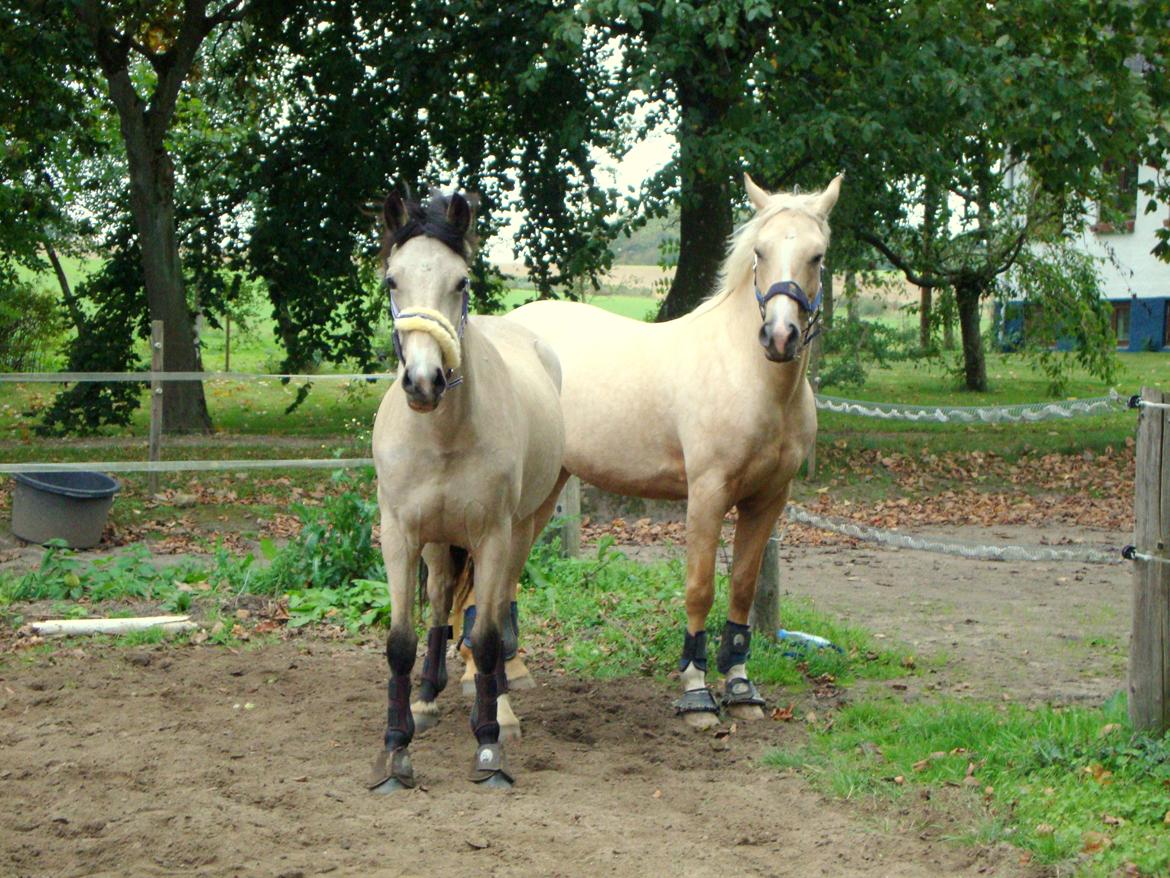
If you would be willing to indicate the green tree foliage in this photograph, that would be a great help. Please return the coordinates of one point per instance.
(1026, 101)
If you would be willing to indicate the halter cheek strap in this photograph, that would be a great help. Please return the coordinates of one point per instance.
(792, 290)
(435, 324)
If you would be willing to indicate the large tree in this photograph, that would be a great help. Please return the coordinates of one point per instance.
(146, 52)
(1028, 103)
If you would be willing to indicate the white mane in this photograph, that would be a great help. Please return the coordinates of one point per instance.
(736, 270)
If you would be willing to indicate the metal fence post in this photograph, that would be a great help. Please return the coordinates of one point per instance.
(156, 398)
(1149, 643)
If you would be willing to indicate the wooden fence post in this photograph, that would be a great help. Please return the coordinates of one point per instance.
(569, 511)
(764, 618)
(156, 398)
(1149, 643)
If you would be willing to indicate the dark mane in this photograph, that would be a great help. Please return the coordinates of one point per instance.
(430, 220)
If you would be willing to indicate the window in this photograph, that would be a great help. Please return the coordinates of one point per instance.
(1119, 211)
(1121, 323)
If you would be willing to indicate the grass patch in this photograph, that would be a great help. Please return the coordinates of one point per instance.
(1066, 784)
(609, 617)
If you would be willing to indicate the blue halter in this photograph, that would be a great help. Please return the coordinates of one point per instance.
(395, 314)
(792, 290)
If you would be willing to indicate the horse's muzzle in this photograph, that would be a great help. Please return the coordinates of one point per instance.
(780, 345)
(423, 393)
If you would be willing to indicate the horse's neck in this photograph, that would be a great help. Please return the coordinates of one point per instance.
(739, 319)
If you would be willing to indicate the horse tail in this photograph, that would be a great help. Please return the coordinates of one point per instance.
(464, 568)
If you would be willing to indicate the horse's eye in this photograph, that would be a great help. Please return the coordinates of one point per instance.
(462, 285)
(816, 259)
(390, 282)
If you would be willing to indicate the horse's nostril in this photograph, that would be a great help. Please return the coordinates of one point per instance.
(439, 382)
(407, 381)
(765, 335)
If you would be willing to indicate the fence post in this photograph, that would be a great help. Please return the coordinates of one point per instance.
(569, 512)
(764, 618)
(1149, 643)
(156, 398)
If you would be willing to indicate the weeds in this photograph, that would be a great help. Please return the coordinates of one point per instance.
(1064, 784)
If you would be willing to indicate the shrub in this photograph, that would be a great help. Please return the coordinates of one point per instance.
(31, 326)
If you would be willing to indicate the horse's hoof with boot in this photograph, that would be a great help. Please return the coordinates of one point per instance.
(392, 772)
(742, 700)
(426, 715)
(698, 708)
(488, 770)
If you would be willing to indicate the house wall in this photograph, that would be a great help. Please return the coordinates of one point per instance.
(1147, 324)
(1133, 270)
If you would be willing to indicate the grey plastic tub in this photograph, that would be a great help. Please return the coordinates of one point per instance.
(70, 506)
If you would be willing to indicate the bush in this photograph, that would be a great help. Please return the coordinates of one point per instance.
(31, 326)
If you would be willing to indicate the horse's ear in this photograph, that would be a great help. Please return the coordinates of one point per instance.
(825, 201)
(459, 213)
(757, 196)
(394, 211)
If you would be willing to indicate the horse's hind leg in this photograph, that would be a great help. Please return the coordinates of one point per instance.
(519, 677)
(393, 769)
(444, 565)
(752, 532)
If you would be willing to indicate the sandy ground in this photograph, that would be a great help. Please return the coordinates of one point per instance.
(196, 761)
(150, 762)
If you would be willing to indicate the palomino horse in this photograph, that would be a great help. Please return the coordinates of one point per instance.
(468, 448)
(712, 407)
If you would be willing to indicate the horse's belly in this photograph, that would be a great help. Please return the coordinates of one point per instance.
(610, 445)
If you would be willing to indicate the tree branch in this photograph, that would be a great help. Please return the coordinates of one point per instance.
(903, 265)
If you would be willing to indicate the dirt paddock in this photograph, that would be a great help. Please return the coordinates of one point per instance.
(196, 760)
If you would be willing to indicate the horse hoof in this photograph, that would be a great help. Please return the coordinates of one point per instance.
(701, 721)
(510, 733)
(518, 675)
(388, 786)
(425, 718)
(498, 781)
(524, 681)
(746, 712)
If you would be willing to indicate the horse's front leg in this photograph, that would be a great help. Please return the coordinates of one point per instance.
(752, 532)
(492, 592)
(393, 770)
(707, 503)
(444, 565)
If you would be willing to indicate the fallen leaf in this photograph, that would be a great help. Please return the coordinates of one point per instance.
(782, 714)
(1094, 842)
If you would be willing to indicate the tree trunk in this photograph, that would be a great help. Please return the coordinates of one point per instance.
(925, 297)
(152, 193)
(947, 304)
(66, 292)
(827, 303)
(851, 311)
(705, 221)
(974, 367)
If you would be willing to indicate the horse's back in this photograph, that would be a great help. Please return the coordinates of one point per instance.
(618, 396)
(528, 356)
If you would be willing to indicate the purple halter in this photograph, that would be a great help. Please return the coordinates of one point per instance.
(792, 290)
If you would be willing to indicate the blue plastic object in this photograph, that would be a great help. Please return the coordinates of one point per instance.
(802, 642)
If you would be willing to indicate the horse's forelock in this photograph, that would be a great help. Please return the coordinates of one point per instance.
(737, 267)
(429, 220)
